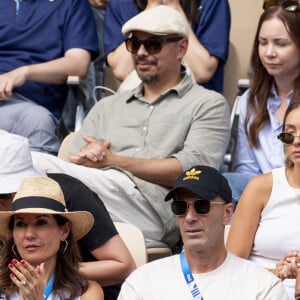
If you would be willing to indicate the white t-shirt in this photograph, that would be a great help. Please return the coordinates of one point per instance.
(235, 279)
(278, 229)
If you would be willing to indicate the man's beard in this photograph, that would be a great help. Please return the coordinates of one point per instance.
(146, 78)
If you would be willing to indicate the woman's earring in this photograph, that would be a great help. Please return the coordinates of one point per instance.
(63, 249)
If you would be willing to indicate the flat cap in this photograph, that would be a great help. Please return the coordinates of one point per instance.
(159, 20)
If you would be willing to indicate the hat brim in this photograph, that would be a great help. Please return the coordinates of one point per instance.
(130, 29)
(10, 182)
(207, 195)
(81, 221)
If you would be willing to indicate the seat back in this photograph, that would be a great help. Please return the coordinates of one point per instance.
(134, 240)
(228, 163)
(65, 146)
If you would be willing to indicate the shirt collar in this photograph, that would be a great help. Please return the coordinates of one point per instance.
(275, 100)
(180, 89)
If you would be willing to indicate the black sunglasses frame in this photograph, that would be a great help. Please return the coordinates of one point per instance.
(152, 45)
(288, 5)
(287, 138)
(6, 196)
(201, 206)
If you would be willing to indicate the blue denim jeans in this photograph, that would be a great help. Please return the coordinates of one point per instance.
(237, 183)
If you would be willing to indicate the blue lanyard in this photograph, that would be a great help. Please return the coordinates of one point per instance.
(49, 287)
(189, 278)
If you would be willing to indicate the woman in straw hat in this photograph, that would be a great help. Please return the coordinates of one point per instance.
(39, 258)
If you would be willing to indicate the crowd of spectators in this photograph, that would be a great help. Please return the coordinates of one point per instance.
(161, 137)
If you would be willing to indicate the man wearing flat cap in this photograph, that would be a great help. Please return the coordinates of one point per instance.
(202, 204)
(133, 145)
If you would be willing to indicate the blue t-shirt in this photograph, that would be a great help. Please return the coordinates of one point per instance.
(212, 31)
(43, 30)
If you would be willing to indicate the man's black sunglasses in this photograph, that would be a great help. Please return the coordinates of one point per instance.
(201, 206)
(6, 196)
(287, 137)
(288, 5)
(152, 45)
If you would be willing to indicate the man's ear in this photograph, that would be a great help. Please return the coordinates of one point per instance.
(228, 213)
(182, 47)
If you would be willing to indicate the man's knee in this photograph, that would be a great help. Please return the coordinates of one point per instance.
(38, 125)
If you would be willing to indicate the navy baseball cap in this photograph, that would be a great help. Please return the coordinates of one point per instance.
(204, 181)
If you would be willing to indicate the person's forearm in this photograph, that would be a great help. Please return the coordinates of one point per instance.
(159, 171)
(57, 71)
(200, 61)
(120, 62)
(97, 154)
(202, 64)
(105, 272)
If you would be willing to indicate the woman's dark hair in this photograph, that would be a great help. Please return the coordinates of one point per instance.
(261, 82)
(190, 8)
(294, 105)
(67, 280)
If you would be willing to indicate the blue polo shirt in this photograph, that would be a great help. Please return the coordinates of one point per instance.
(212, 31)
(40, 31)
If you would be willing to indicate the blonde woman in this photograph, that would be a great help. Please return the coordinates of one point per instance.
(265, 227)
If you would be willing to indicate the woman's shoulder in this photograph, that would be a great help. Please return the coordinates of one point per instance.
(260, 185)
(262, 182)
(94, 291)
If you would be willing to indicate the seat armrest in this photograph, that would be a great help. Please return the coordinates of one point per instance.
(79, 90)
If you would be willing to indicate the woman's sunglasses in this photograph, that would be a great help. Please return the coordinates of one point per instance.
(152, 45)
(288, 5)
(287, 137)
(201, 206)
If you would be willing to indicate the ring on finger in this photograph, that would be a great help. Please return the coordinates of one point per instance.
(23, 282)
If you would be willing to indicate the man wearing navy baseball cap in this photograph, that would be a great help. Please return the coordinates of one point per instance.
(202, 203)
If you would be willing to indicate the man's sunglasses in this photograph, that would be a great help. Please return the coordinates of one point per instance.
(6, 196)
(152, 45)
(201, 206)
(287, 137)
(288, 5)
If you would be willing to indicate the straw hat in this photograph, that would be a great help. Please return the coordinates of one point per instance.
(15, 163)
(43, 195)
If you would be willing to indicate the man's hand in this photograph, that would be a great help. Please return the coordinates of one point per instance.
(99, 3)
(10, 80)
(94, 154)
